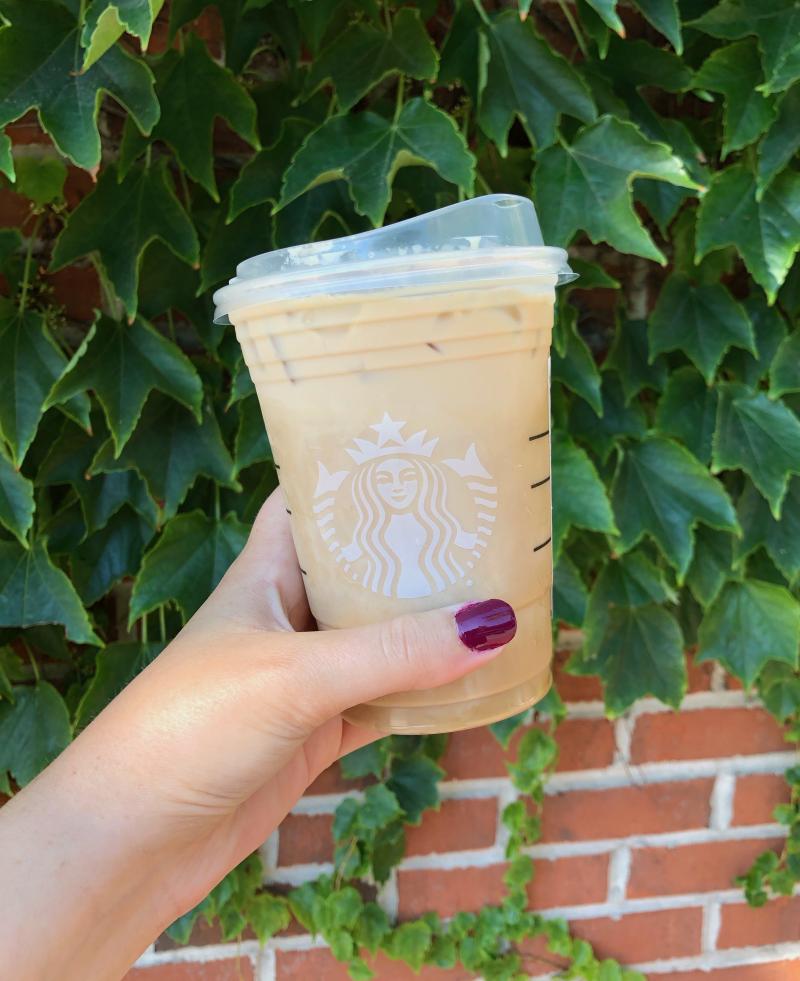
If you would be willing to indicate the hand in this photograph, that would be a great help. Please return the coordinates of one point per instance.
(197, 761)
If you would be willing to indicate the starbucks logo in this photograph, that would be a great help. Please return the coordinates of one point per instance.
(401, 522)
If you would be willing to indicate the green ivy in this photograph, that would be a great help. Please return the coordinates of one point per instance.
(132, 454)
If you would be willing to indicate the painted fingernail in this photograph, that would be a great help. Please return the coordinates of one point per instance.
(487, 625)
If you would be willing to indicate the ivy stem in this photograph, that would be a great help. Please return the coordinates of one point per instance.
(481, 12)
(216, 501)
(388, 17)
(171, 322)
(162, 623)
(480, 179)
(576, 28)
(143, 631)
(398, 106)
(34, 664)
(26, 269)
(464, 134)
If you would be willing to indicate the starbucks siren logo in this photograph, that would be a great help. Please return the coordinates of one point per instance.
(404, 538)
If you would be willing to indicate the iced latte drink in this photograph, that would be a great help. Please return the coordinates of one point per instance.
(403, 378)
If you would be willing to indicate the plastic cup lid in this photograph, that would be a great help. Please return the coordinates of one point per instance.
(489, 236)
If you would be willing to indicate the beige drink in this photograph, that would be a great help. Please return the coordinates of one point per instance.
(410, 425)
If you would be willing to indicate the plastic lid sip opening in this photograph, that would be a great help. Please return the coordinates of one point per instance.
(495, 236)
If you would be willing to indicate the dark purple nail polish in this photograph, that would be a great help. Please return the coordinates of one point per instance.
(486, 625)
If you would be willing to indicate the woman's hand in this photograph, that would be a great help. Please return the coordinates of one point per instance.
(197, 761)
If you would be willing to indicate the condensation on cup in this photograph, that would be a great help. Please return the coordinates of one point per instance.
(403, 375)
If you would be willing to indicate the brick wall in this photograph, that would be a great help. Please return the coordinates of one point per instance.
(647, 821)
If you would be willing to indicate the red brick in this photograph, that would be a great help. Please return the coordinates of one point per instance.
(573, 687)
(776, 923)
(557, 882)
(693, 868)
(458, 825)
(584, 815)
(583, 744)
(77, 289)
(776, 971)
(705, 734)
(699, 674)
(230, 969)
(305, 838)
(757, 796)
(320, 964)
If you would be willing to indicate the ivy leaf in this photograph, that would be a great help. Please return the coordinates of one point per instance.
(749, 624)
(465, 52)
(415, 784)
(607, 11)
(252, 445)
(33, 730)
(661, 490)
(410, 942)
(702, 321)
(363, 55)
(587, 185)
(630, 356)
(779, 688)
(665, 17)
(688, 411)
(769, 329)
(784, 372)
(115, 666)
(34, 591)
(576, 367)
(379, 809)
(107, 20)
(6, 157)
(16, 500)
(109, 554)
(122, 364)
(776, 25)
(119, 219)
(526, 78)
(41, 179)
(366, 150)
(40, 68)
(711, 564)
(31, 364)
(368, 760)
(601, 434)
(193, 78)
(759, 436)
(227, 244)
(187, 562)
(569, 592)
(781, 537)
(170, 451)
(735, 71)
(781, 142)
(766, 232)
(580, 499)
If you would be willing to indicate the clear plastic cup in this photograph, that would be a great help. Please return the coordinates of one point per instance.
(403, 375)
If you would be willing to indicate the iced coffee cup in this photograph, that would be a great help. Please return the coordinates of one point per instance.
(403, 375)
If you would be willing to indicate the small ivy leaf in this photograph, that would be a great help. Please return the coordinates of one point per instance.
(108, 555)
(214, 92)
(228, 244)
(34, 591)
(326, 211)
(587, 185)
(115, 666)
(6, 157)
(123, 363)
(465, 52)
(607, 11)
(630, 356)
(579, 499)
(505, 728)
(34, 729)
(735, 71)
(759, 436)
(379, 809)
(363, 55)
(410, 942)
(187, 562)
(688, 411)
(777, 27)
(636, 64)
(661, 490)
(665, 16)
(369, 760)
(779, 688)
(107, 20)
(119, 219)
(569, 592)
(526, 78)
(784, 372)
(32, 363)
(251, 445)
(711, 564)
(601, 434)
(167, 285)
(781, 538)
(781, 142)
(366, 150)
(41, 58)
(268, 914)
(749, 624)
(16, 500)
(41, 179)
(170, 451)
(371, 927)
(415, 784)
(576, 367)
(766, 232)
(769, 329)
(702, 321)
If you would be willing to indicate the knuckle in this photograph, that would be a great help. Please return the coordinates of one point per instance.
(400, 641)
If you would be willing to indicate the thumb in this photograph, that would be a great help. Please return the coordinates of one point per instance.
(334, 670)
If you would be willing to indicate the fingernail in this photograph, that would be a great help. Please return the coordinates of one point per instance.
(487, 625)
